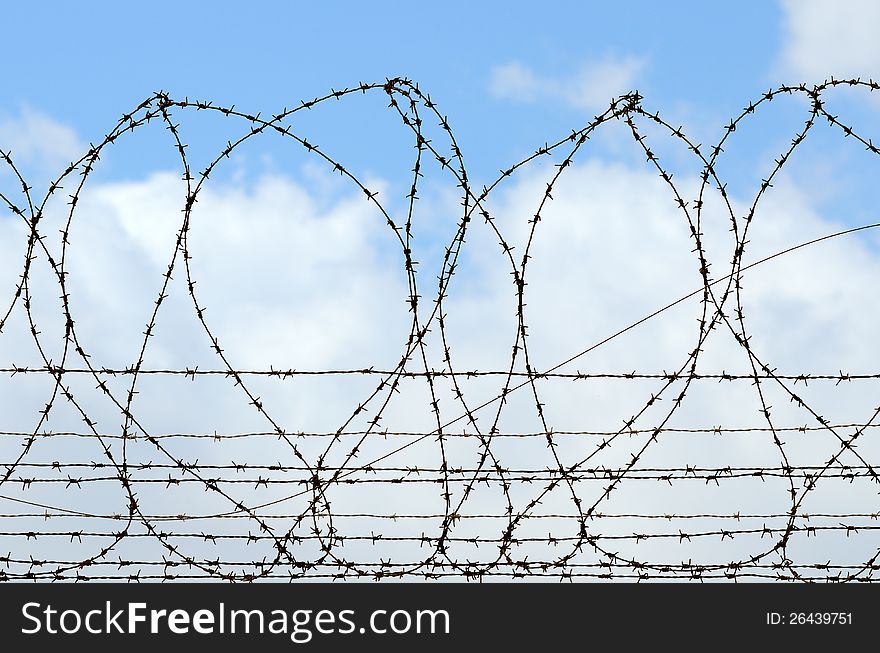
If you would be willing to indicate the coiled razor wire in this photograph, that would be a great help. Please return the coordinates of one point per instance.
(433, 534)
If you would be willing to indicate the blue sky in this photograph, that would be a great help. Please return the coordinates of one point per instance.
(697, 63)
(86, 64)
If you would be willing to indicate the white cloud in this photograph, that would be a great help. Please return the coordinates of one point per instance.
(35, 138)
(591, 87)
(824, 39)
(296, 283)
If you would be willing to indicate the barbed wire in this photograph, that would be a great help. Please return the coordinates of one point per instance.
(305, 541)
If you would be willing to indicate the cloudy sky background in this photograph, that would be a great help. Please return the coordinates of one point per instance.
(297, 270)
